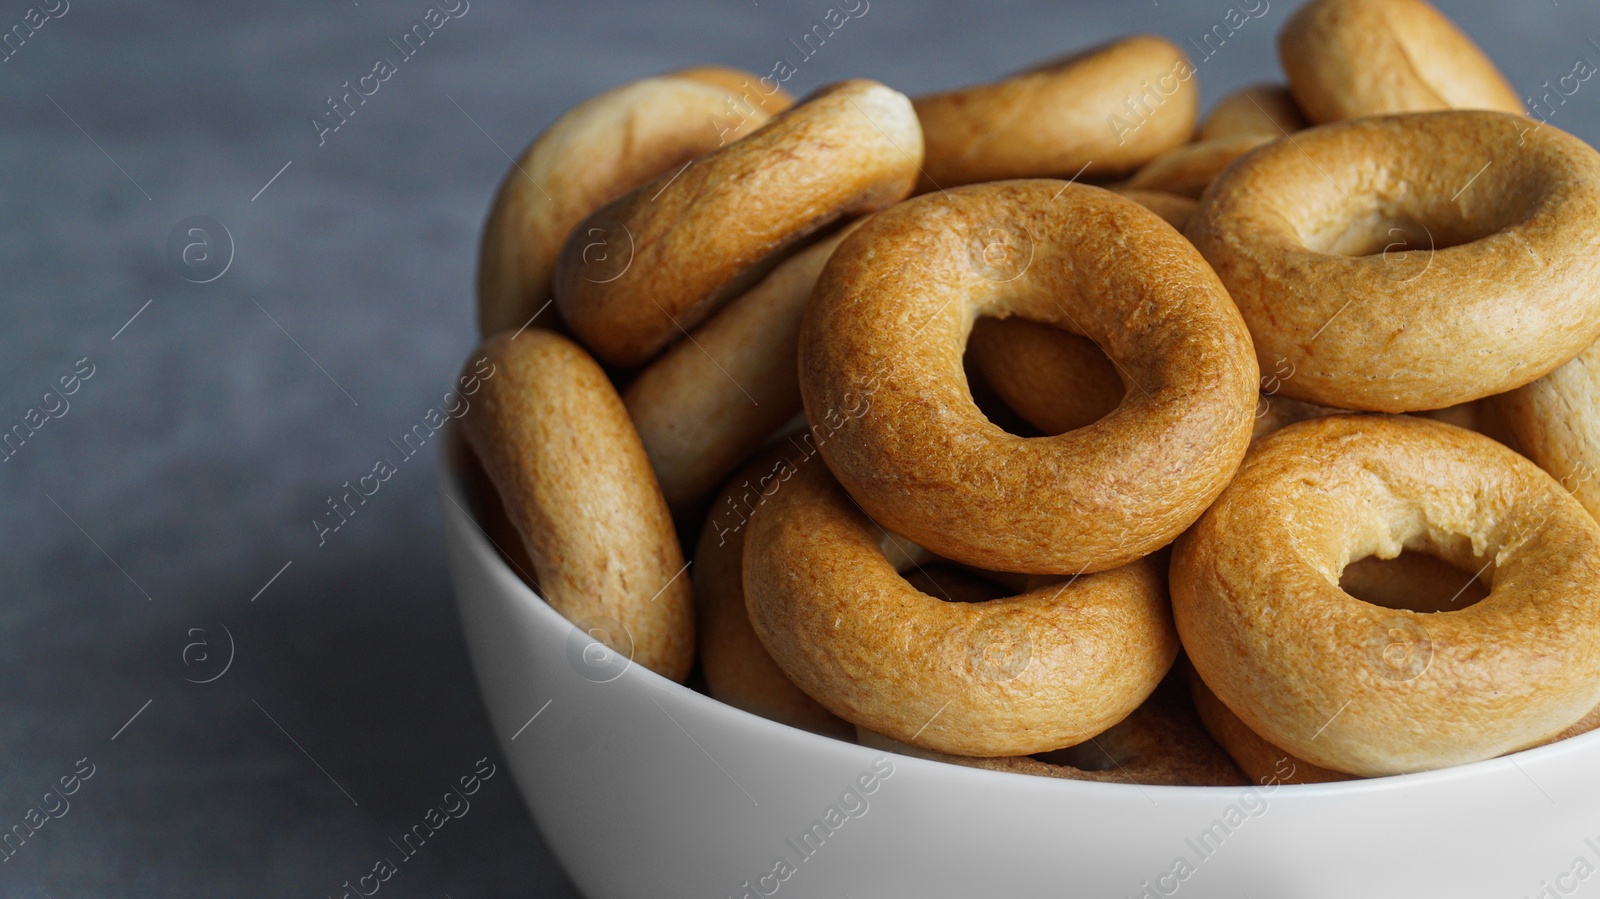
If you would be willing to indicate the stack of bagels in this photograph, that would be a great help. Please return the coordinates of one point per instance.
(1035, 426)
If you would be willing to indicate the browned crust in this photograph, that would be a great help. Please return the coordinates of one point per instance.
(555, 440)
(1175, 210)
(642, 269)
(1013, 676)
(1355, 687)
(1054, 379)
(1265, 110)
(1556, 423)
(593, 153)
(889, 320)
(1100, 113)
(1188, 170)
(1351, 58)
(737, 667)
(1258, 758)
(1161, 743)
(1510, 290)
(711, 400)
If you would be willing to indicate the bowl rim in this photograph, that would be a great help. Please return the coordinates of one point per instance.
(452, 491)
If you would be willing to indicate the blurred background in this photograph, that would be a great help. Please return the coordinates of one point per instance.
(255, 306)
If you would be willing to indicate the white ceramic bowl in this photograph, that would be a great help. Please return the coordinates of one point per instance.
(645, 789)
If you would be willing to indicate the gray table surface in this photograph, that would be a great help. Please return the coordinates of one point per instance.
(168, 512)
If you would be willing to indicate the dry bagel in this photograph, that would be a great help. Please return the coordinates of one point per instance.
(1556, 423)
(1265, 110)
(746, 89)
(1175, 210)
(555, 440)
(1100, 113)
(711, 400)
(650, 265)
(1411, 580)
(889, 319)
(1351, 58)
(1249, 750)
(1188, 170)
(1359, 688)
(1161, 743)
(1494, 282)
(1011, 676)
(1260, 759)
(737, 667)
(595, 152)
(487, 510)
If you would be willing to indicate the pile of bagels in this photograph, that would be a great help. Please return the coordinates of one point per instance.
(1033, 426)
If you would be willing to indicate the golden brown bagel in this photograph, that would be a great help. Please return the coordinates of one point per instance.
(738, 669)
(711, 400)
(1260, 759)
(1264, 110)
(1011, 676)
(1250, 751)
(890, 318)
(1323, 242)
(1175, 210)
(650, 265)
(597, 151)
(487, 509)
(1556, 423)
(1099, 113)
(1358, 688)
(1351, 58)
(553, 436)
(1161, 743)
(747, 95)
(1189, 169)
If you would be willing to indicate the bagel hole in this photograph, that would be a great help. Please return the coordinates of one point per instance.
(995, 409)
(950, 582)
(1057, 381)
(1414, 581)
(1376, 234)
(1394, 234)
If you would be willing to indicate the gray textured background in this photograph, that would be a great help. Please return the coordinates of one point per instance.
(208, 439)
